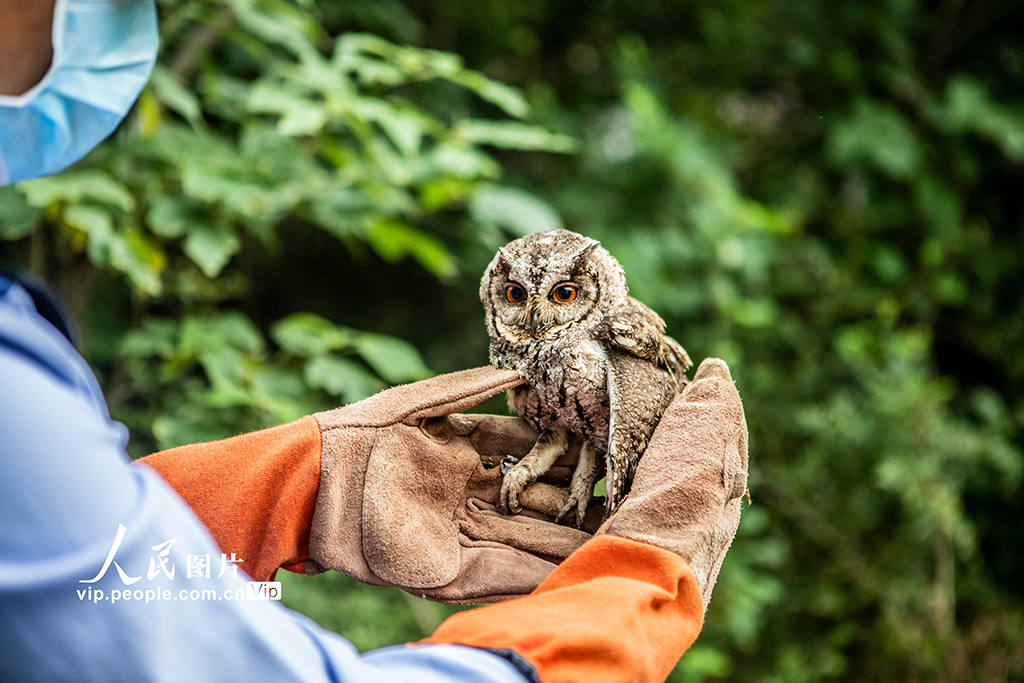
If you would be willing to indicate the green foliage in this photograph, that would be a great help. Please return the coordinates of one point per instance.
(825, 195)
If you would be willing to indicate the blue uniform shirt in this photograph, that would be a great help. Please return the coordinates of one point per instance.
(89, 546)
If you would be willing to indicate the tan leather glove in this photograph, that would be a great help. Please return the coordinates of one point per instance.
(406, 501)
(391, 490)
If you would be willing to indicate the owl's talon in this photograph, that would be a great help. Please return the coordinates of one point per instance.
(561, 513)
(507, 463)
(581, 513)
(517, 478)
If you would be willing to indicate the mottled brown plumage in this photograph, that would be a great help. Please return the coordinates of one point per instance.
(596, 361)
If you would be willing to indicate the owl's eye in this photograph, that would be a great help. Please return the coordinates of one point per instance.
(564, 294)
(515, 294)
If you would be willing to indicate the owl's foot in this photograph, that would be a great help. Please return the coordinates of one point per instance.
(517, 478)
(576, 504)
(518, 475)
(582, 487)
(507, 463)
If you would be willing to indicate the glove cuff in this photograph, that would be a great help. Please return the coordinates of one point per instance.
(570, 628)
(255, 492)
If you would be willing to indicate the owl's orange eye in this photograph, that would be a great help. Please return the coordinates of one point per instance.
(515, 294)
(564, 294)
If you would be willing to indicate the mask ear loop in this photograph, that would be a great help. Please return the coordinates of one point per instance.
(46, 300)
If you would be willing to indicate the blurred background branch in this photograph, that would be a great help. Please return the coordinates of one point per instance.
(198, 45)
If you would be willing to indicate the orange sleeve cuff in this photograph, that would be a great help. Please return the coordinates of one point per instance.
(615, 610)
(255, 492)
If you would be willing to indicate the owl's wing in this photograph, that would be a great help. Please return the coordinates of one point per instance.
(640, 332)
(639, 393)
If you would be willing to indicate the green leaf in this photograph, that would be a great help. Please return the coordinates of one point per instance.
(393, 240)
(889, 265)
(754, 313)
(355, 43)
(156, 338)
(211, 247)
(141, 259)
(443, 192)
(299, 115)
(404, 126)
(396, 360)
(171, 217)
(280, 391)
(508, 99)
(231, 329)
(371, 71)
(405, 129)
(227, 371)
(307, 334)
(234, 187)
(513, 135)
(705, 662)
(749, 213)
(969, 106)
(420, 64)
(176, 97)
(98, 225)
(464, 162)
(277, 23)
(341, 377)
(16, 216)
(515, 210)
(74, 187)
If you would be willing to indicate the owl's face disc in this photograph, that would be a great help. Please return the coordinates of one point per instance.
(546, 285)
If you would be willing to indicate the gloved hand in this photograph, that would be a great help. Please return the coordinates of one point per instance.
(391, 490)
(629, 602)
(404, 499)
(687, 491)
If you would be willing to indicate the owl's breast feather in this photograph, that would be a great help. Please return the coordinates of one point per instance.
(567, 386)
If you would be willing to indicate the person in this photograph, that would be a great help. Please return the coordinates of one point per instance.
(115, 571)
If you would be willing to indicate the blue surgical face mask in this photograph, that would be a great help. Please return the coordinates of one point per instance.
(103, 53)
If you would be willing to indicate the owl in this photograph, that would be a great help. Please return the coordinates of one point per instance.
(596, 361)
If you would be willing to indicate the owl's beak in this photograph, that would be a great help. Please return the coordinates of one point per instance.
(531, 318)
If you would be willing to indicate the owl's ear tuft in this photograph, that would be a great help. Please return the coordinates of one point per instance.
(581, 256)
(502, 263)
(497, 272)
(585, 251)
